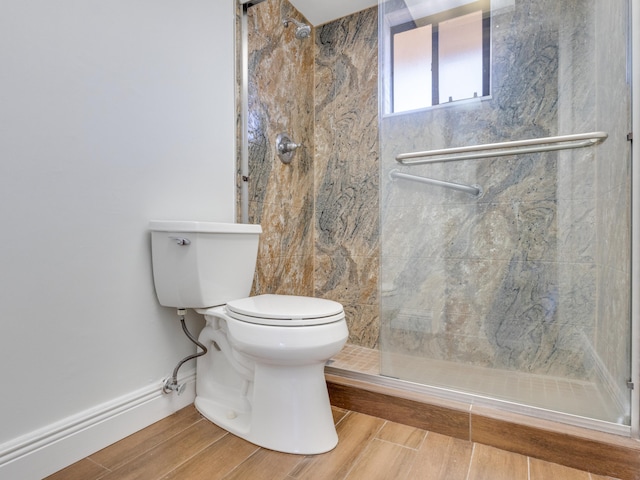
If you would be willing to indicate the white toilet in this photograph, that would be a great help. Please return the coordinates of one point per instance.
(262, 378)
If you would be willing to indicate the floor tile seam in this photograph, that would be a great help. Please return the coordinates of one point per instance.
(398, 444)
(119, 466)
(424, 438)
(361, 453)
(173, 467)
(194, 454)
(349, 412)
(255, 452)
(360, 456)
(473, 452)
(101, 474)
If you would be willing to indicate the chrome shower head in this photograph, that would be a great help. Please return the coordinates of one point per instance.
(302, 29)
(251, 3)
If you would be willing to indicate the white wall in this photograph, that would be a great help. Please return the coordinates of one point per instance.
(112, 112)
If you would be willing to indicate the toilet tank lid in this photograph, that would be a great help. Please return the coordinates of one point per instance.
(202, 227)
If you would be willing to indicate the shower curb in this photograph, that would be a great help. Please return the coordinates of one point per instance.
(575, 447)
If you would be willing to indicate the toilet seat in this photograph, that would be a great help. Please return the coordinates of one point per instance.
(285, 310)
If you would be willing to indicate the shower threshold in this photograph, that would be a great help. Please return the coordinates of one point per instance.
(567, 401)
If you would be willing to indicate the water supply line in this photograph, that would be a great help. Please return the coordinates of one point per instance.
(171, 383)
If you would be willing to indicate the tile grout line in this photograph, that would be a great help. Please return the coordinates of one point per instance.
(149, 450)
(473, 452)
(255, 452)
(195, 453)
(424, 439)
(178, 465)
(363, 451)
(99, 465)
(200, 419)
(397, 444)
(102, 474)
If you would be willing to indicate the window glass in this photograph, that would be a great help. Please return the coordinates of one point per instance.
(412, 84)
(460, 57)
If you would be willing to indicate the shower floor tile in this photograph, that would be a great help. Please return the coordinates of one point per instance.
(357, 359)
(557, 394)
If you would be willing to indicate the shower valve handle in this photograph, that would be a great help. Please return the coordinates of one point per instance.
(286, 148)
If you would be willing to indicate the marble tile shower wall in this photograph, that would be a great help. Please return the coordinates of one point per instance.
(281, 80)
(516, 279)
(346, 170)
(320, 213)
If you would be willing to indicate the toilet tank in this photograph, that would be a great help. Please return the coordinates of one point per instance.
(202, 264)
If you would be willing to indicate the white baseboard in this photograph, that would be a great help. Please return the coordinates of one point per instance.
(47, 450)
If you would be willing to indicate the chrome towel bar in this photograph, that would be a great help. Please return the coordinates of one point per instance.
(474, 190)
(534, 145)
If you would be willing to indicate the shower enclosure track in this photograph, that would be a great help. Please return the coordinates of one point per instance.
(518, 147)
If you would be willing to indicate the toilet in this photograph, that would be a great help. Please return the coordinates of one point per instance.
(262, 377)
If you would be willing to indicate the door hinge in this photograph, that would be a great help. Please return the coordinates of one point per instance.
(630, 136)
(630, 385)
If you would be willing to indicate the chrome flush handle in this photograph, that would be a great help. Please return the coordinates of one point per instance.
(181, 241)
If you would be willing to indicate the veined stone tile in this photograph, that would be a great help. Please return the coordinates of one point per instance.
(364, 324)
(285, 275)
(346, 279)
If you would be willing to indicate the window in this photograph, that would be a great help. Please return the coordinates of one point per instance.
(441, 58)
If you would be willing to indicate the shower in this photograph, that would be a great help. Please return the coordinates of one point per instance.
(517, 293)
(302, 29)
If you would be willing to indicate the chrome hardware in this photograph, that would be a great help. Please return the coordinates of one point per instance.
(181, 241)
(302, 29)
(171, 384)
(474, 190)
(286, 148)
(518, 147)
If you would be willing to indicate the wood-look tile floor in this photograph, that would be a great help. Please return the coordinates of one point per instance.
(185, 446)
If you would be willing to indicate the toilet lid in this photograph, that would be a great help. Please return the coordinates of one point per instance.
(285, 310)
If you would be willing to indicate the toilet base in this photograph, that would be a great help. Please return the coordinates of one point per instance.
(290, 411)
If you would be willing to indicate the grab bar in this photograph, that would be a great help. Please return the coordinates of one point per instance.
(534, 145)
(474, 190)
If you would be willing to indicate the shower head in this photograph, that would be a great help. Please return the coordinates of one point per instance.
(251, 3)
(302, 29)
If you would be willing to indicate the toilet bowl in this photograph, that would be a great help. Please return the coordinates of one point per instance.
(262, 378)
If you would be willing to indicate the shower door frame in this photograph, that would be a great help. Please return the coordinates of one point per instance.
(635, 219)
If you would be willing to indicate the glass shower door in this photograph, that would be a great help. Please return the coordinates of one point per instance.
(505, 272)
